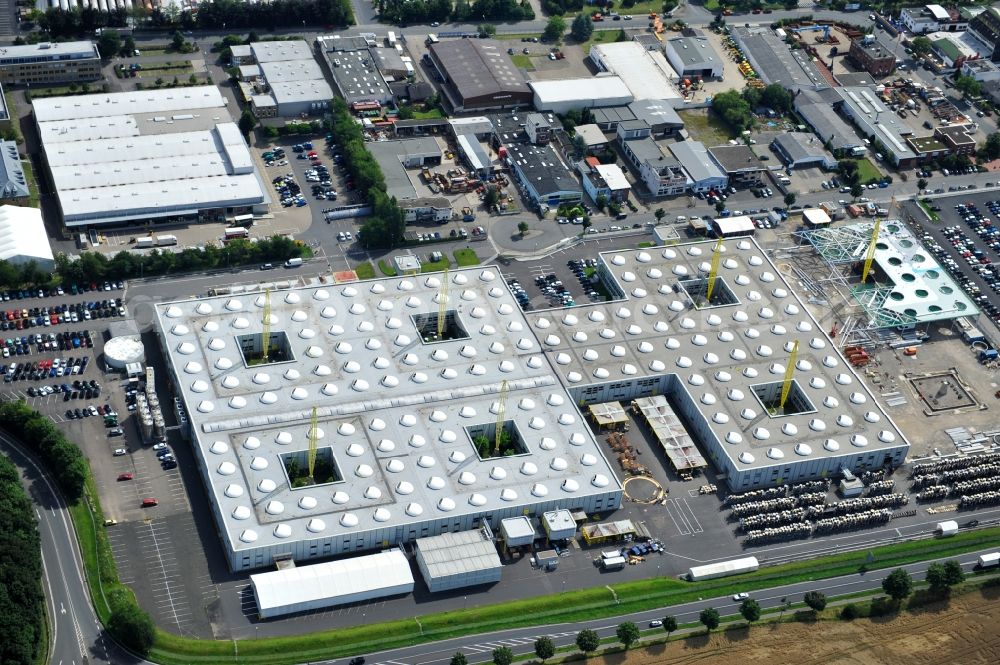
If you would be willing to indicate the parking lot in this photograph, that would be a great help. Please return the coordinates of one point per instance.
(966, 241)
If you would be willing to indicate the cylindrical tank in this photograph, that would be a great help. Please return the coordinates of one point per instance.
(122, 350)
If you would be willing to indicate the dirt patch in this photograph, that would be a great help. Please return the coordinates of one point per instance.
(965, 631)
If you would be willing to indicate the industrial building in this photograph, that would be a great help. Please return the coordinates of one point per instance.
(458, 560)
(774, 62)
(394, 157)
(13, 184)
(562, 95)
(741, 164)
(981, 70)
(477, 74)
(166, 155)
(592, 137)
(646, 74)
(873, 119)
(23, 238)
(817, 109)
(659, 171)
(292, 589)
(660, 115)
(435, 209)
(721, 364)
(869, 54)
(693, 58)
(986, 28)
(958, 139)
(933, 18)
(352, 69)
(290, 83)
(802, 150)
(357, 373)
(542, 176)
(50, 62)
(703, 172)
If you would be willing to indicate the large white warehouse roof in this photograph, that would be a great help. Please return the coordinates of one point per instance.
(646, 74)
(23, 237)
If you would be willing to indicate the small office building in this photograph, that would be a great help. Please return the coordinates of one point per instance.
(50, 62)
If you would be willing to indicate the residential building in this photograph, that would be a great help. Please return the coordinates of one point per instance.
(605, 180)
(693, 57)
(50, 62)
(592, 137)
(959, 139)
(741, 164)
(802, 150)
(477, 74)
(703, 172)
(982, 70)
(869, 54)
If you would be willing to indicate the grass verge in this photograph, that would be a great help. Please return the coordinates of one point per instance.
(365, 270)
(386, 268)
(434, 266)
(430, 114)
(867, 171)
(704, 126)
(930, 213)
(466, 257)
(29, 179)
(523, 61)
(644, 244)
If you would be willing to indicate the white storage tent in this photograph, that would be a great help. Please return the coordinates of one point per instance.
(23, 237)
(320, 585)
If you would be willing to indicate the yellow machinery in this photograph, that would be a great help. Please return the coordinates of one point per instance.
(313, 432)
(442, 303)
(265, 342)
(870, 255)
(501, 412)
(714, 272)
(786, 386)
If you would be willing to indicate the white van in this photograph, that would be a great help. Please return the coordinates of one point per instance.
(293, 263)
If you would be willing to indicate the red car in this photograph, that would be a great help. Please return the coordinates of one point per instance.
(125, 476)
(149, 503)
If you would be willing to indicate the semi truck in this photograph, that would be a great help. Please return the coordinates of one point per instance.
(147, 242)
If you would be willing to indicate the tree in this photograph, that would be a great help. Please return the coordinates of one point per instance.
(815, 600)
(132, 627)
(459, 659)
(627, 633)
(579, 146)
(486, 29)
(247, 121)
(856, 190)
(709, 617)
(522, 228)
(968, 86)
(752, 96)
(503, 656)
(898, 584)
(936, 577)
(554, 29)
(776, 97)
(582, 28)
(789, 198)
(921, 184)
(491, 197)
(177, 41)
(544, 648)
(659, 213)
(953, 572)
(849, 611)
(601, 201)
(669, 625)
(733, 109)
(719, 206)
(109, 43)
(587, 640)
(921, 46)
(991, 149)
(622, 36)
(750, 610)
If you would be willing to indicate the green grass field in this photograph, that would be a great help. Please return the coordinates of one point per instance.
(386, 268)
(867, 171)
(466, 257)
(523, 61)
(435, 266)
(930, 213)
(705, 127)
(365, 270)
(432, 114)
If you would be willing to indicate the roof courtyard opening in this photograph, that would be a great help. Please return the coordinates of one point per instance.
(432, 330)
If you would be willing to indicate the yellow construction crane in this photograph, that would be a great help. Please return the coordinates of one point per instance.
(501, 412)
(714, 271)
(786, 386)
(313, 432)
(265, 347)
(442, 303)
(870, 255)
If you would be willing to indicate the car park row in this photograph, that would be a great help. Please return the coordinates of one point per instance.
(20, 319)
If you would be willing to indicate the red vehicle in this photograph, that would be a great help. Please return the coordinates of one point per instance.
(129, 476)
(149, 503)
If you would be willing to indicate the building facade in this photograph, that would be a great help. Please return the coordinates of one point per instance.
(48, 62)
(868, 54)
(986, 28)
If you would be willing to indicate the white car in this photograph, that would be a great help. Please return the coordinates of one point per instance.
(119, 452)
(655, 623)
(160, 446)
(743, 595)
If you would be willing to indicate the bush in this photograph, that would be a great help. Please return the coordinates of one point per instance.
(849, 612)
(132, 627)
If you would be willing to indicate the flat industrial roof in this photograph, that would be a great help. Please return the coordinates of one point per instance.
(719, 354)
(735, 158)
(49, 51)
(613, 176)
(773, 60)
(694, 157)
(276, 51)
(393, 410)
(601, 91)
(647, 74)
(116, 156)
(591, 134)
(694, 52)
(390, 156)
(873, 117)
(457, 552)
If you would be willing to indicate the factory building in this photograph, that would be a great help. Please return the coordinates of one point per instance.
(799, 150)
(869, 54)
(774, 62)
(458, 560)
(646, 74)
(703, 172)
(477, 74)
(741, 164)
(562, 95)
(353, 70)
(693, 58)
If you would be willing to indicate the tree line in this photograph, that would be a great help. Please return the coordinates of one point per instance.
(62, 458)
(406, 12)
(94, 266)
(21, 599)
(19, 275)
(385, 227)
(211, 15)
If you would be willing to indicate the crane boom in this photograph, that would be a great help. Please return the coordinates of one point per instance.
(714, 271)
(313, 437)
(265, 347)
(870, 255)
(501, 412)
(442, 303)
(786, 386)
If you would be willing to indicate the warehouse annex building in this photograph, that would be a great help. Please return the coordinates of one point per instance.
(166, 155)
(291, 81)
(478, 75)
